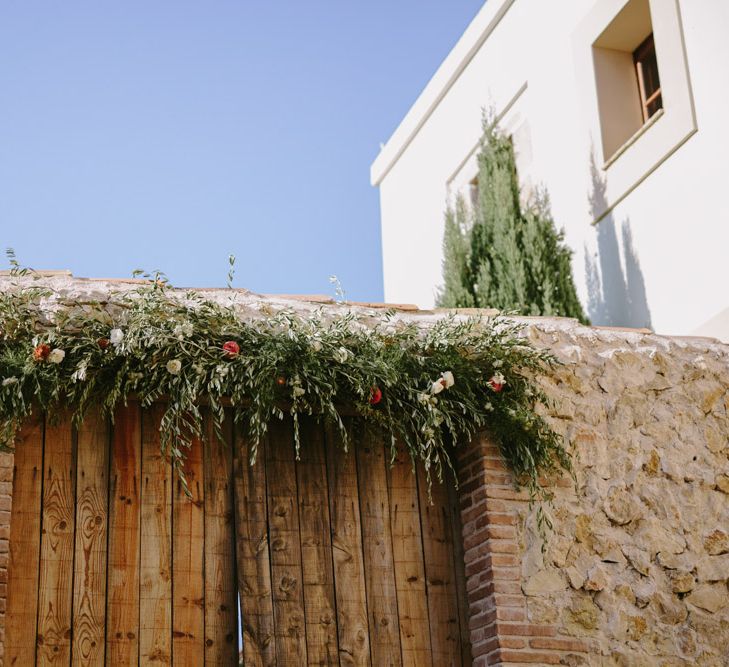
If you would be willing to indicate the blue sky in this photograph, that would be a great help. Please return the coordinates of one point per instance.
(166, 135)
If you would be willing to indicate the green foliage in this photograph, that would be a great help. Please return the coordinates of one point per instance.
(499, 254)
(159, 344)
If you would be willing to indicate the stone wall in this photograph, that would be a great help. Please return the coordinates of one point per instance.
(635, 571)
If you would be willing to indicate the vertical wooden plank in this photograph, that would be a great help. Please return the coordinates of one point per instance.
(459, 567)
(407, 547)
(254, 572)
(374, 502)
(283, 520)
(221, 600)
(92, 488)
(316, 548)
(188, 539)
(56, 562)
(122, 612)
(439, 573)
(155, 567)
(25, 540)
(354, 646)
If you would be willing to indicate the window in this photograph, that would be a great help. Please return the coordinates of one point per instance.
(625, 52)
(649, 84)
(636, 118)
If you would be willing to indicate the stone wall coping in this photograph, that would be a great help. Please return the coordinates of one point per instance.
(71, 288)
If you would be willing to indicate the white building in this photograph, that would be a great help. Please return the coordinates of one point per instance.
(651, 219)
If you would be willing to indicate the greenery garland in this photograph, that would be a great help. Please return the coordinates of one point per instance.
(425, 386)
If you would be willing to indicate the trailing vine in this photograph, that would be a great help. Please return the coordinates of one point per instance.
(428, 385)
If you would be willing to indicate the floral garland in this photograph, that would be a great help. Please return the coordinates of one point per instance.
(427, 386)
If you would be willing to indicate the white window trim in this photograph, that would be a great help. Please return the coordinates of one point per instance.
(664, 134)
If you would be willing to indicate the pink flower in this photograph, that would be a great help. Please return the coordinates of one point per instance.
(375, 395)
(497, 382)
(231, 349)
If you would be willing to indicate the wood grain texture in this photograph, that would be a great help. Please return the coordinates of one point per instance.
(188, 591)
(374, 502)
(122, 611)
(221, 599)
(316, 547)
(25, 539)
(407, 547)
(351, 597)
(286, 572)
(155, 567)
(459, 567)
(439, 572)
(55, 594)
(253, 556)
(92, 488)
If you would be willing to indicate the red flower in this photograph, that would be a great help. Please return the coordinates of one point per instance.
(281, 381)
(103, 343)
(41, 352)
(375, 395)
(231, 349)
(497, 382)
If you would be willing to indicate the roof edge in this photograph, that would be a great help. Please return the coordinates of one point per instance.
(445, 76)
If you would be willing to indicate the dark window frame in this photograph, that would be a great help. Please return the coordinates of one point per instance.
(649, 87)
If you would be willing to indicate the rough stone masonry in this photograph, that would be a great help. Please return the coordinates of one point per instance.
(635, 570)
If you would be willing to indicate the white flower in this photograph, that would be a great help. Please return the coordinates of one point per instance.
(341, 355)
(498, 363)
(174, 366)
(116, 336)
(448, 379)
(316, 345)
(437, 387)
(79, 375)
(423, 398)
(8, 381)
(488, 407)
(182, 330)
(298, 391)
(56, 356)
(135, 376)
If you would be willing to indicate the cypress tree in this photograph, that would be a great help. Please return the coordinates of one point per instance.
(499, 254)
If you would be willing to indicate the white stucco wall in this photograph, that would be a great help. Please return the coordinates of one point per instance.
(670, 184)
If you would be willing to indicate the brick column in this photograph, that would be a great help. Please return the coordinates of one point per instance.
(500, 631)
(6, 497)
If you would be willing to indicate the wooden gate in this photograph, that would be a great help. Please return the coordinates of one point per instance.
(334, 559)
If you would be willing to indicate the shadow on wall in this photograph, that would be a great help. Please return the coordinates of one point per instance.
(616, 290)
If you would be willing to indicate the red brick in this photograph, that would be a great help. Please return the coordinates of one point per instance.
(503, 546)
(525, 629)
(475, 567)
(559, 644)
(505, 560)
(506, 574)
(506, 655)
(496, 519)
(494, 464)
(507, 494)
(513, 614)
(501, 532)
(502, 479)
(508, 587)
(509, 600)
